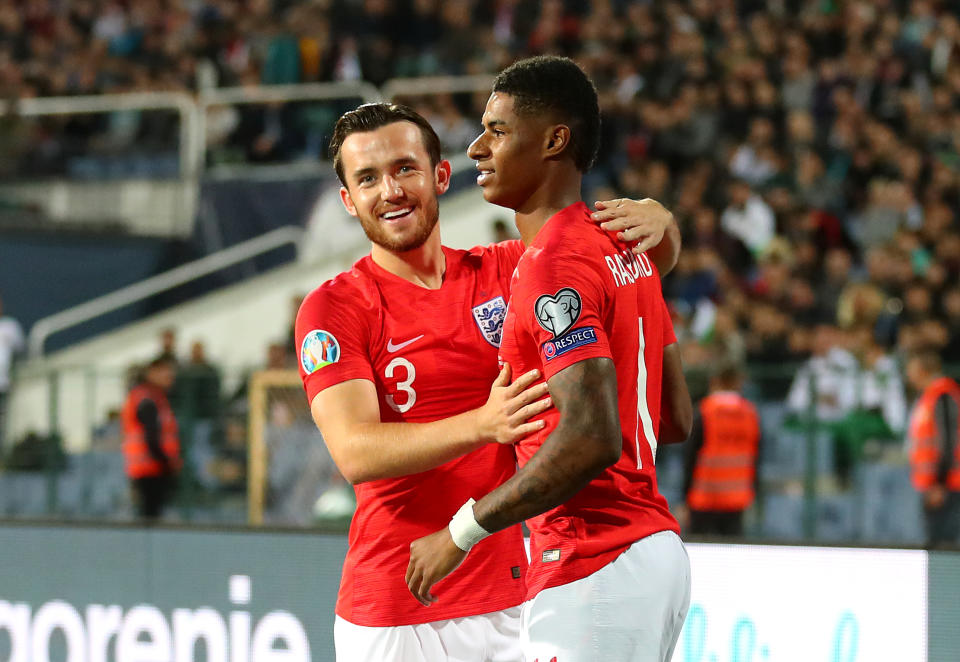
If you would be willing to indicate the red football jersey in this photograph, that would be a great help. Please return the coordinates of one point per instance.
(431, 354)
(577, 294)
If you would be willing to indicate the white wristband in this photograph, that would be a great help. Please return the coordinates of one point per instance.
(464, 528)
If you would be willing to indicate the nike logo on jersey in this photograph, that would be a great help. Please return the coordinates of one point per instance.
(396, 348)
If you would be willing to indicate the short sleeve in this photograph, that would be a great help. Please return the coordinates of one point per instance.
(561, 304)
(332, 342)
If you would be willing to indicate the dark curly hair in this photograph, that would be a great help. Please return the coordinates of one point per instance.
(556, 85)
(372, 116)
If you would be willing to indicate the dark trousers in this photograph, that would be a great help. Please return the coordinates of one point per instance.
(153, 495)
(706, 523)
(943, 523)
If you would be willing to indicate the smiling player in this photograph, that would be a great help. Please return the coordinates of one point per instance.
(402, 394)
(609, 578)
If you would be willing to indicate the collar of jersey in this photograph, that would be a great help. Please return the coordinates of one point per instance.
(573, 213)
(380, 274)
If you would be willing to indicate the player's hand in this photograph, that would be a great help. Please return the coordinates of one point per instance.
(432, 558)
(644, 220)
(504, 417)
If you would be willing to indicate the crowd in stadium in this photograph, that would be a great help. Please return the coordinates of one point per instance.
(809, 149)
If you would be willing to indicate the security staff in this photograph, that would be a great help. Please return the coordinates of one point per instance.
(151, 445)
(721, 458)
(932, 437)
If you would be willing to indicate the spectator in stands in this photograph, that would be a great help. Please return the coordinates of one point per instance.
(11, 344)
(151, 443)
(168, 345)
(881, 385)
(933, 438)
(748, 218)
(721, 477)
(880, 410)
(197, 387)
(196, 403)
(227, 469)
(824, 390)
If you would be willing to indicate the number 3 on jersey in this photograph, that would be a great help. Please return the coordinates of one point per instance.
(404, 385)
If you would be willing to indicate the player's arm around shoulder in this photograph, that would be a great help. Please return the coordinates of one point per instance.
(365, 448)
(646, 222)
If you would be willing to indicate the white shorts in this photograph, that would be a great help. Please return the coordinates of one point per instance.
(631, 610)
(493, 637)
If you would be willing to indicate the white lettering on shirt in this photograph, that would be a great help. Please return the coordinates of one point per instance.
(628, 268)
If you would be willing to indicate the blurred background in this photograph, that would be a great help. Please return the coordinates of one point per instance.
(165, 189)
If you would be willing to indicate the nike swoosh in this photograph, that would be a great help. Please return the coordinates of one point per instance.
(394, 348)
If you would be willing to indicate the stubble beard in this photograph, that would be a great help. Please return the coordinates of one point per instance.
(377, 233)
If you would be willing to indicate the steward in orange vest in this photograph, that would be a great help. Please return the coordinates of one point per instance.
(722, 454)
(932, 438)
(151, 445)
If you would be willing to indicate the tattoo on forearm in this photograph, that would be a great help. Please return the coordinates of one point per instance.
(581, 446)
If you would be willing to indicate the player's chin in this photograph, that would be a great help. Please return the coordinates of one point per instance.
(493, 195)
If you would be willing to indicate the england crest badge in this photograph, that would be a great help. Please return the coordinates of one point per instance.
(489, 317)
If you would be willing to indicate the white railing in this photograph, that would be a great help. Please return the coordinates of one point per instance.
(191, 139)
(144, 289)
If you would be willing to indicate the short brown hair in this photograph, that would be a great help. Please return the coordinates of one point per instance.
(372, 116)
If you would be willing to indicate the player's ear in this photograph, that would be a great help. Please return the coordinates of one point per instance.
(348, 201)
(557, 140)
(442, 176)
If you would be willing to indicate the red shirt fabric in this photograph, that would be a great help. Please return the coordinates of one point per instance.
(578, 293)
(431, 354)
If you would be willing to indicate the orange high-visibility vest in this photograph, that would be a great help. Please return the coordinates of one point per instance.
(922, 437)
(726, 464)
(140, 463)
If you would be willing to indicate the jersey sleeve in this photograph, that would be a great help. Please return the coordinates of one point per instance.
(560, 303)
(332, 342)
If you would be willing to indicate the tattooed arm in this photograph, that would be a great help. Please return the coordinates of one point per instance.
(585, 442)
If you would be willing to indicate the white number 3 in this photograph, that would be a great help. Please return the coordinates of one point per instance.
(404, 385)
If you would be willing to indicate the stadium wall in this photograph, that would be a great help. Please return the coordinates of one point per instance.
(125, 594)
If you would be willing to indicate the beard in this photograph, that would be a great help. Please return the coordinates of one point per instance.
(413, 239)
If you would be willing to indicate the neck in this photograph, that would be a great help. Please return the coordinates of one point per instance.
(423, 266)
(560, 189)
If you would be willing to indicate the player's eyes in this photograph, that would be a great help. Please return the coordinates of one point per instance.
(405, 169)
